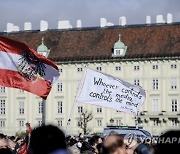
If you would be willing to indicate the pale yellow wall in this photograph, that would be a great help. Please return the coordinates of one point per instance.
(70, 79)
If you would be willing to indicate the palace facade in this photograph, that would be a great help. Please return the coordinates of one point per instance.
(144, 55)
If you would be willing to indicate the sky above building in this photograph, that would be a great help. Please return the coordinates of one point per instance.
(88, 11)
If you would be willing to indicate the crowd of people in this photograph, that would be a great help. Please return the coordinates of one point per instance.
(10, 144)
(50, 139)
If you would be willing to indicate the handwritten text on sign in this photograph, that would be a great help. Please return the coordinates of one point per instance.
(105, 90)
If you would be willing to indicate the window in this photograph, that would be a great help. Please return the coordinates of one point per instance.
(21, 123)
(80, 109)
(99, 122)
(99, 68)
(59, 107)
(173, 83)
(21, 107)
(174, 105)
(2, 89)
(39, 122)
(118, 122)
(118, 68)
(2, 123)
(117, 52)
(155, 84)
(173, 66)
(60, 123)
(156, 122)
(59, 87)
(80, 69)
(155, 67)
(155, 105)
(40, 107)
(21, 91)
(174, 122)
(136, 82)
(99, 110)
(60, 70)
(136, 68)
(2, 107)
(79, 123)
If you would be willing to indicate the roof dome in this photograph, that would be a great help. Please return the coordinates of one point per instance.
(119, 44)
(42, 47)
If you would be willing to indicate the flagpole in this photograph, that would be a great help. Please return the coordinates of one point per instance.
(72, 109)
(70, 115)
(43, 112)
(136, 121)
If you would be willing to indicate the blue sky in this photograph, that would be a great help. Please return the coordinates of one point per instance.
(88, 11)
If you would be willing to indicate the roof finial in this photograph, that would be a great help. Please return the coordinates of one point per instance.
(42, 40)
(119, 37)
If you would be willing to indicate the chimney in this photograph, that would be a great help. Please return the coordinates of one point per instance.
(79, 24)
(148, 19)
(64, 24)
(122, 21)
(103, 22)
(27, 26)
(43, 25)
(15, 28)
(11, 27)
(159, 19)
(169, 18)
(110, 24)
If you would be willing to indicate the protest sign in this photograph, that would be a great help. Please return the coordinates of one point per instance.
(105, 90)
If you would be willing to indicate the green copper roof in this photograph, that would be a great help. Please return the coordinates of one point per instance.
(119, 44)
(42, 47)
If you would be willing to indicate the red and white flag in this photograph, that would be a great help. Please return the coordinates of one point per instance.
(23, 68)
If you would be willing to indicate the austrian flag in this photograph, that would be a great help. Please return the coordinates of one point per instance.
(23, 68)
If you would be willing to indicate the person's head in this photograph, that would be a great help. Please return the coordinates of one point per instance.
(19, 140)
(3, 141)
(99, 148)
(169, 141)
(11, 144)
(47, 139)
(86, 147)
(94, 141)
(114, 144)
(12, 138)
(81, 136)
(72, 142)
